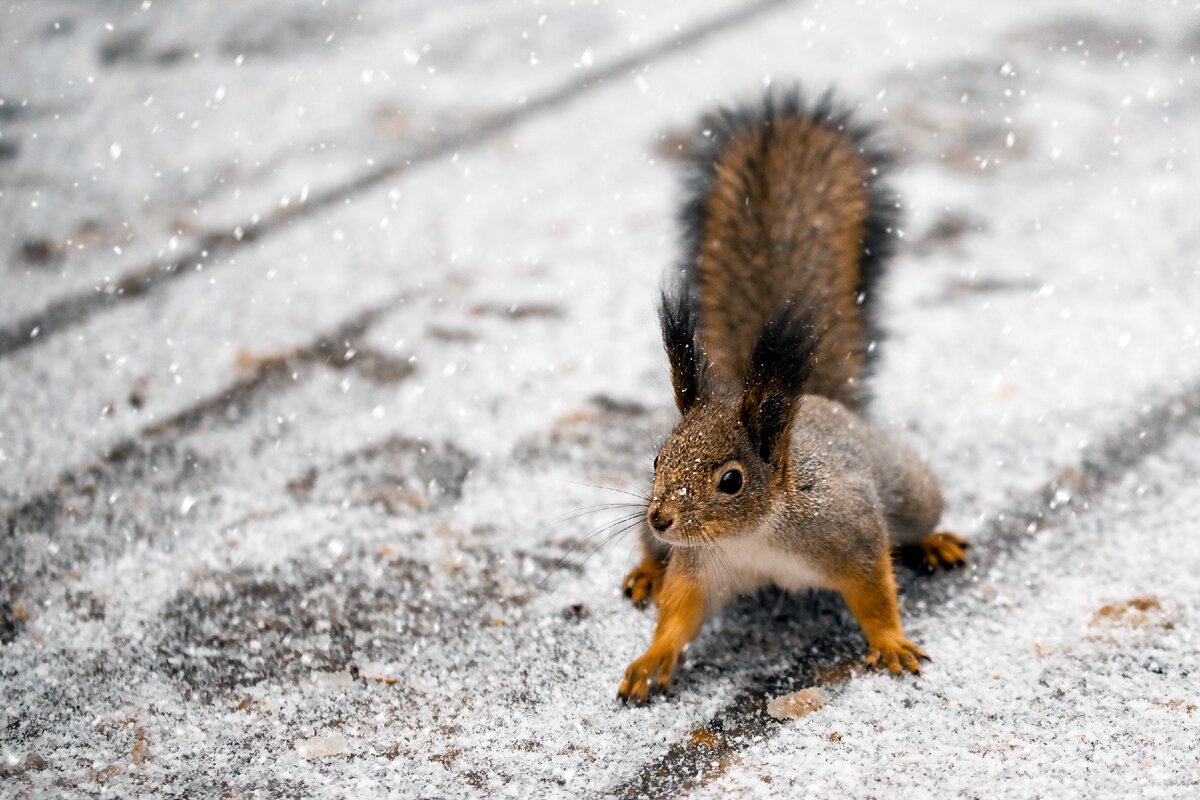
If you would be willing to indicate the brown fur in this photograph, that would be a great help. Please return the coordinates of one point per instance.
(787, 246)
(680, 614)
(870, 594)
(827, 515)
(785, 220)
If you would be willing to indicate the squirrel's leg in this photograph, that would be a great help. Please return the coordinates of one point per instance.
(870, 594)
(644, 582)
(680, 614)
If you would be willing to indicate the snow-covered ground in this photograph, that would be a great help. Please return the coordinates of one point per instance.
(322, 326)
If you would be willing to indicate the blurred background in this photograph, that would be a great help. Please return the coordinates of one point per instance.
(327, 337)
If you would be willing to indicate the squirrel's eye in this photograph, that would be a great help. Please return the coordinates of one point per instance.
(656, 463)
(731, 482)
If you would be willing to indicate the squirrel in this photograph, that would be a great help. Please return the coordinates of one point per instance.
(772, 475)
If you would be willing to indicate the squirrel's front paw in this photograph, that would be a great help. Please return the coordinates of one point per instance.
(643, 582)
(895, 654)
(650, 672)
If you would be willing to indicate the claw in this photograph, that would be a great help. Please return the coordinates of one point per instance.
(896, 656)
(943, 550)
(643, 582)
(649, 674)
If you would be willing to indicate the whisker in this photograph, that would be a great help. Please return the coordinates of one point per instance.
(628, 521)
(638, 495)
(606, 527)
(583, 512)
(720, 560)
(610, 539)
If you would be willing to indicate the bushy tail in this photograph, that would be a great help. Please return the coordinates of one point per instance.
(786, 206)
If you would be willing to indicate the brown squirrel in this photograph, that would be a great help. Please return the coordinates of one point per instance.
(771, 476)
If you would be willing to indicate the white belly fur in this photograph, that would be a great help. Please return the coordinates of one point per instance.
(749, 562)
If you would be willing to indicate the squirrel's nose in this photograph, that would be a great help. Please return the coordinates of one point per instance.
(658, 520)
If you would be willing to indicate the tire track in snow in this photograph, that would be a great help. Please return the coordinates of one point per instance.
(340, 348)
(62, 315)
(695, 761)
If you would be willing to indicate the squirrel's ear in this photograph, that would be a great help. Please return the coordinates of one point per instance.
(677, 316)
(781, 362)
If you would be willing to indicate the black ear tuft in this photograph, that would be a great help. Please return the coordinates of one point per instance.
(779, 366)
(677, 316)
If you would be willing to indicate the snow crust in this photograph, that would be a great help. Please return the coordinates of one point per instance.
(313, 520)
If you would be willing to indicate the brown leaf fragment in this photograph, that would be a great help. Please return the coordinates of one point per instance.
(1139, 612)
(1176, 704)
(141, 748)
(797, 704)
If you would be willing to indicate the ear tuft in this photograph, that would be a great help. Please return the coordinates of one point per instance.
(781, 363)
(677, 316)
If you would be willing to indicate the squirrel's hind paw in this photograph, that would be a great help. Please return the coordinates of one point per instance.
(942, 550)
(644, 581)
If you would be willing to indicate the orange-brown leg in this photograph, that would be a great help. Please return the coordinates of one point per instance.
(870, 595)
(942, 550)
(644, 582)
(680, 615)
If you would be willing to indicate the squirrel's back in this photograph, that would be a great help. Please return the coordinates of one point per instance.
(830, 441)
(786, 207)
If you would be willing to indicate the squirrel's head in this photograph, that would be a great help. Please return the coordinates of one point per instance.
(726, 462)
